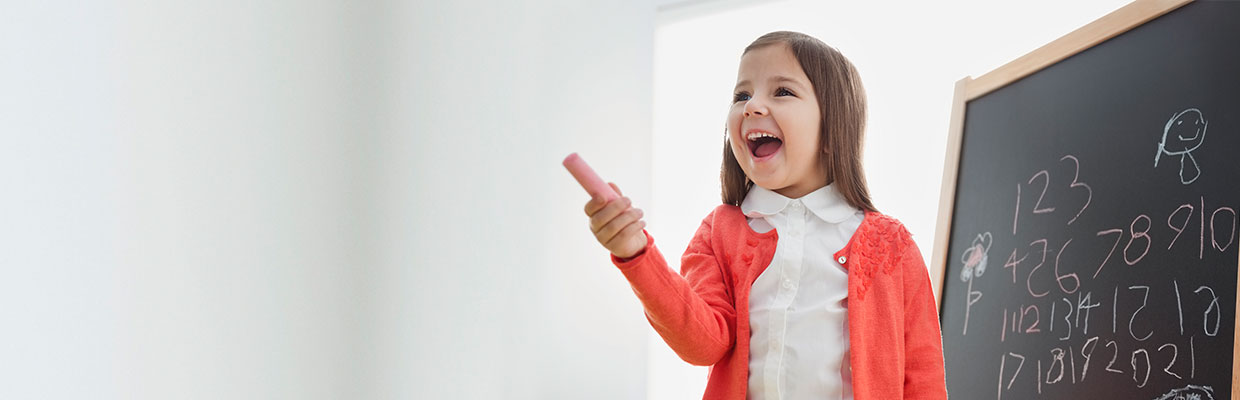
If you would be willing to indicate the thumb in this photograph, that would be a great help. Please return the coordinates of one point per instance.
(616, 188)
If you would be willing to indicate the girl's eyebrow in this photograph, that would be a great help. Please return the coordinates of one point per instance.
(776, 79)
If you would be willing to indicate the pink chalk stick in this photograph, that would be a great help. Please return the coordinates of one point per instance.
(589, 180)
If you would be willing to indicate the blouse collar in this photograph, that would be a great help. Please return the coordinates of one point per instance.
(826, 202)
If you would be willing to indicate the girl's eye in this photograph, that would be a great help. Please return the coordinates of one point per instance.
(784, 92)
(739, 97)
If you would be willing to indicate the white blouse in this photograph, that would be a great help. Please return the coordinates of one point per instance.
(798, 307)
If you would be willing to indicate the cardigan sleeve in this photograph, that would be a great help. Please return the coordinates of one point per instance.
(692, 311)
(923, 341)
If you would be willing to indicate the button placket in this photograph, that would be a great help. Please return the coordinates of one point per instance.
(795, 254)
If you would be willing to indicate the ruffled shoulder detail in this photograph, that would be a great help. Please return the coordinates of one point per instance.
(880, 248)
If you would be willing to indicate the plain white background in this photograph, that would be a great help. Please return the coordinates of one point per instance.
(339, 199)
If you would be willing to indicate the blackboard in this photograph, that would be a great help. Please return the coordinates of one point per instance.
(1090, 249)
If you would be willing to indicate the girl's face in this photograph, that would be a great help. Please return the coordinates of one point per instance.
(774, 123)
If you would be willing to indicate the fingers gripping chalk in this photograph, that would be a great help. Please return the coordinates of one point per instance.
(588, 179)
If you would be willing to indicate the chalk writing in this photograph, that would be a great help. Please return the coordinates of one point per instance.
(1190, 392)
(1058, 272)
(974, 258)
(1186, 131)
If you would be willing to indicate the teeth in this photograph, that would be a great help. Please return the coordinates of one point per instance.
(758, 135)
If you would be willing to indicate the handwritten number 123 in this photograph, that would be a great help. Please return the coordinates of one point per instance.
(1038, 208)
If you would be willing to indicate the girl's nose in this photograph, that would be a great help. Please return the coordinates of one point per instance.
(755, 108)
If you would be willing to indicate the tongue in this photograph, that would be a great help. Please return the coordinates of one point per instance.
(767, 148)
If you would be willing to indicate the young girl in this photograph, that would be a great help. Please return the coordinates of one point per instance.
(796, 287)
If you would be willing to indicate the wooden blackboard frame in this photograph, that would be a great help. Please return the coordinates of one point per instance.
(1117, 22)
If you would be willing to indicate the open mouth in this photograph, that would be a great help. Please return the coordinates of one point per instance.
(763, 145)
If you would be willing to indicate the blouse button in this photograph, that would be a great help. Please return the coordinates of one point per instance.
(843, 259)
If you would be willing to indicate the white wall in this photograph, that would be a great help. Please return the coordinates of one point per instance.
(488, 283)
(317, 199)
(179, 207)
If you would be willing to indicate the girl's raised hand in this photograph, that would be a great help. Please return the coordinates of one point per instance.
(617, 225)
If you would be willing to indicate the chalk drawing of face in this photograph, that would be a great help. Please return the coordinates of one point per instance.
(975, 257)
(1190, 392)
(1184, 132)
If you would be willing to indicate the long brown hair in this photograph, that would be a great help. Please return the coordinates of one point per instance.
(841, 99)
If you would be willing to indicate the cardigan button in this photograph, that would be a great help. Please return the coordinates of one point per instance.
(843, 259)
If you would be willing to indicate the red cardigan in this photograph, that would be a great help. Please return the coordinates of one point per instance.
(703, 313)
